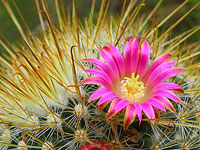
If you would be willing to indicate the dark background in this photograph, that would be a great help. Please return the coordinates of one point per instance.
(29, 11)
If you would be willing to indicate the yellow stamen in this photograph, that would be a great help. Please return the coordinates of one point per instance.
(132, 90)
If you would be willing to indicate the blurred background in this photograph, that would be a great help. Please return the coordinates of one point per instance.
(29, 11)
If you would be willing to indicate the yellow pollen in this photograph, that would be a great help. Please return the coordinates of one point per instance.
(132, 90)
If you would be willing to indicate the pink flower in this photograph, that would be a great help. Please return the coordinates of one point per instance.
(95, 145)
(130, 85)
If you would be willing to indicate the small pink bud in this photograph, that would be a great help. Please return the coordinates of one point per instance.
(95, 145)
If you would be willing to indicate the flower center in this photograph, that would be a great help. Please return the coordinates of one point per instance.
(132, 90)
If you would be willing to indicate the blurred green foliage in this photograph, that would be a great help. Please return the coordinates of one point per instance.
(29, 11)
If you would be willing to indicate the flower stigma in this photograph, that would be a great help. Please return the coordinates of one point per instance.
(132, 90)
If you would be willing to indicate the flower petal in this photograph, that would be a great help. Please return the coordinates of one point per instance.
(165, 75)
(131, 56)
(98, 93)
(144, 58)
(154, 102)
(122, 104)
(100, 74)
(96, 80)
(118, 59)
(138, 108)
(155, 73)
(111, 111)
(129, 115)
(168, 86)
(157, 113)
(101, 65)
(155, 64)
(109, 59)
(168, 94)
(107, 97)
(102, 106)
(166, 103)
(148, 110)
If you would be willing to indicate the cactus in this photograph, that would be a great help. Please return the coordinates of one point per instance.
(48, 99)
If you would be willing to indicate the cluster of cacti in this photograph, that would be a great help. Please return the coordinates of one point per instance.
(47, 94)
